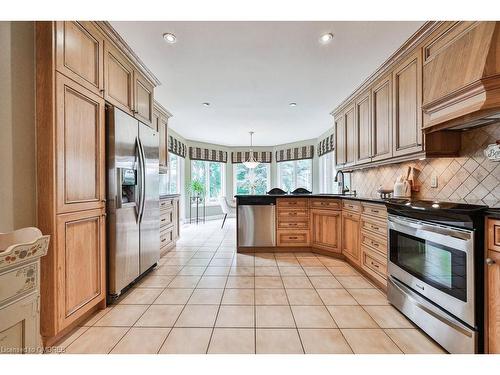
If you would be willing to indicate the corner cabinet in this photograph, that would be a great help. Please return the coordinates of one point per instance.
(326, 230)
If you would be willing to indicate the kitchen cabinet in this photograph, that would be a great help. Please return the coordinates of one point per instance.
(363, 128)
(143, 99)
(292, 222)
(493, 286)
(381, 126)
(340, 141)
(80, 54)
(493, 228)
(326, 230)
(80, 152)
(81, 255)
(350, 135)
(350, 236)
(407, 104)
(160, 124)
(169, 223)
(118, 79)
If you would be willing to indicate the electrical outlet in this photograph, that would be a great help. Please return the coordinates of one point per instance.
(434, 181)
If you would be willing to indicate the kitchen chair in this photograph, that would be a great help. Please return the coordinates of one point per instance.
(227, 209)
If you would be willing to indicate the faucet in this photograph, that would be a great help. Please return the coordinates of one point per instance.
(341, 183)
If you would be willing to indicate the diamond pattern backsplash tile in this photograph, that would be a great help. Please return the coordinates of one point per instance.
(470, 177)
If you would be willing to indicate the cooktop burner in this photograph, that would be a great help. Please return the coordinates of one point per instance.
(435, 205)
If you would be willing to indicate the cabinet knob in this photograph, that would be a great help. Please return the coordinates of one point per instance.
(490, 261)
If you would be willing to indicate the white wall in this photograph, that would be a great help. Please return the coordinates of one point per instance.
(17, 126)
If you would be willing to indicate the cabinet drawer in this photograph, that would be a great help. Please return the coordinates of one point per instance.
(293, 215)
(293, 224)
(374, 226)
(293, 238)
(18, 282)
(166, 238)
(373, 264)
(494, 234)
(374, 242)
(166, 204)
(326, 204)
(292, 202)
(166, 218)
(351, 206)
(376, 210)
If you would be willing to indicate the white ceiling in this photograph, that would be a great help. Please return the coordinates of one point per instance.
(251, 71)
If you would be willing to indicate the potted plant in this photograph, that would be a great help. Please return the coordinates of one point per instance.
(196, 189)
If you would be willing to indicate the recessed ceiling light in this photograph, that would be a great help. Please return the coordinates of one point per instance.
(169, 38)
(325, 38)
(206, 104)
(293, 104)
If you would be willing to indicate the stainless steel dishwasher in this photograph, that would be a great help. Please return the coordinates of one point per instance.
(256, 223)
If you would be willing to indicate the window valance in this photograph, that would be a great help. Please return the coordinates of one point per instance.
(176, 147)
(260, 156)
(296, 153)
(326, 145)
(197, 153)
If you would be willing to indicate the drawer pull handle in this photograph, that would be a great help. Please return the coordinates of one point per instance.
(490, 261)
(163, 240)
(375, 244)
(292, 213)
(374, 265)
(163, 219)
(375, 211)
(292, 224)
(374, 227)
(293, 237)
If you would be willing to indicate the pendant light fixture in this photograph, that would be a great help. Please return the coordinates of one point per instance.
(251, 163)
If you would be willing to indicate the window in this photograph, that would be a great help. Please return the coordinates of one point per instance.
(326, 173)
(211, 175)
(174, 174)
(295, 174)
(251, 181)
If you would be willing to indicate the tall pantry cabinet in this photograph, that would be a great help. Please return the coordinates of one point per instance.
(70, 104)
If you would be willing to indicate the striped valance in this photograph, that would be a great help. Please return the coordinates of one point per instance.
(197, 153)
(326, 145)
(296, 153)
(260, 156)
(176, 147)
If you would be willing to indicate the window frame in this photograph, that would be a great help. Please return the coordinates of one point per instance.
(179, 170)
(208, 200)
(268, 176)
(326, 166)
(294, 176)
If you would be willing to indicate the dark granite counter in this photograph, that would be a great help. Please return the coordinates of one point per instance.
(264, 198)
(493, 213)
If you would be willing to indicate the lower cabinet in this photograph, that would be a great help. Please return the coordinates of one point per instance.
(293, 238)
(169, 223)
(493, 301)
(326, 230)
(350, 236)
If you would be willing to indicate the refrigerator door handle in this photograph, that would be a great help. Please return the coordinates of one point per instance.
(142, 193)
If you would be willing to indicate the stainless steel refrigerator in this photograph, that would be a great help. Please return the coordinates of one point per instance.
(133, 209)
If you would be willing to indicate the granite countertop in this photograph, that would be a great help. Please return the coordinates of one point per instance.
(331, 196)
(493, 212)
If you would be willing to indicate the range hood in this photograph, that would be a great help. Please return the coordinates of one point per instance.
(461, 76)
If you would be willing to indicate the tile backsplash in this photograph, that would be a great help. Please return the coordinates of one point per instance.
(470, 177)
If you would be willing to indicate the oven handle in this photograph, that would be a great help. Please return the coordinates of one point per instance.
(413, 297)
(464, 235)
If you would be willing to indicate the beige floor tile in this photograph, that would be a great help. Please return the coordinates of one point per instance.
(265, 262)
(166, 270)
(305, 254)
(70, 337)
(370, 341)
(97, 340)
(351, 317)
(160, 316)
(278, 341)
(224, 255)
(336, 297)
(270, 297)
(220, 262)
(203, 255)
(243, 260)
(141, 296)
(187, 341)
(206, 297)
(274, 317)
(312, 317)
(388, 317)
(317, 271)
(238, 297)
(266, 282)
(343, 271)
(212, 282)
(176, 262)
(152, 281)
(292, 271)
(369, 296)
(122, 316)
(232, 341)
(242, 271)
(141, 341)
(354, 282)
(323, 341)
(192, 271)
(184, 282)
(267, 271)
(198, 262)
(287, 262)
(96, 316)
(412, 341)
(325, 282)
(173, 296)
(245, 282)
(331, 262)
(309, 262)
(198, 316)
(217, 271)
(283, 254)
(300, 282)
(303, 297)
(235, 317)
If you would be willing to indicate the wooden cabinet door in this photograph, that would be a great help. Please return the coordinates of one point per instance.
(350, 236)
(143, 99)
(493, 302)
(351, 140)
(326, 229)
(80, 141)
(381, 133)
(363, 128)
(80, 264)
(407, 106)
(162, 133)
(340, 141)
(80, 54)
(118, 79)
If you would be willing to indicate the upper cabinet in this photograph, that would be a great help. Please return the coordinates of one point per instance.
(407, 106)
(79, 53)
(160, 123)
(143, 98)
(363, 151)
(381, 130)
(340, 140)
(350, 135)
(119, 79)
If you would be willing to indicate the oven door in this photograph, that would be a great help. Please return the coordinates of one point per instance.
(436, 261)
